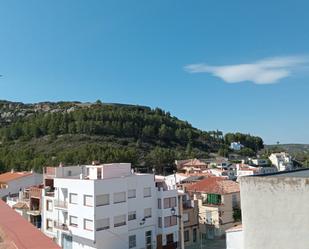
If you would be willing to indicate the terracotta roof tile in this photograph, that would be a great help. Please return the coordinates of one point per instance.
(214, 185)
(17, 231)
(9, 176)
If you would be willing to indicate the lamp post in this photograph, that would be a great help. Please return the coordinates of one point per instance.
(173, 212)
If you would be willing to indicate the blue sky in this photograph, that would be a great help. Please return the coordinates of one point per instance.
(229, 65)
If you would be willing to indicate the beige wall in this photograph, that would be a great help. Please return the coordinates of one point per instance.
(216, 213)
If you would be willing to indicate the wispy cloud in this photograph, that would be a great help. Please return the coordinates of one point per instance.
(266, 71)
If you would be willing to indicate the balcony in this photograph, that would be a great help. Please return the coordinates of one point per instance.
(61, 204)
(61, 226)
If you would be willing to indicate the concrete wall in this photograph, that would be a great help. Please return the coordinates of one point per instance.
(275, 211)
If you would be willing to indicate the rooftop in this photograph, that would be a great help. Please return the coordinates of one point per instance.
(10, 176)
(16, 232)
(215, 185)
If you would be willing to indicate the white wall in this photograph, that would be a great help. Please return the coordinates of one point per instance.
(275, 211)
(234, 240)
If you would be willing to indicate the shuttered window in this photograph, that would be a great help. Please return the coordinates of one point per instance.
(147, 212)
(120, 220)
(102, 200)
(88, 224)
(147, 192)
(119, 197)
(170, 221)
(102, 224)
(132, 215)
(132, 193)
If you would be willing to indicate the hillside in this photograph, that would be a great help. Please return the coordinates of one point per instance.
(34, 135)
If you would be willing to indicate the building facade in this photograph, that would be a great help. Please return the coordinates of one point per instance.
(219, 205)
(12, 182)
(108, 206)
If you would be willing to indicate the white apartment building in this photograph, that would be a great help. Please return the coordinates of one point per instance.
(236, 146)
(282, 161)
(108, 206)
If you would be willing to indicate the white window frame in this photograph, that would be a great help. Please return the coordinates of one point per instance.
(90, 204)
(85, 225)
(73, 224)
(72, 199)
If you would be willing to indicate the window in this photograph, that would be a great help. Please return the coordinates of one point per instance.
(212, 199)
(186, 235)
(88, 200)
(88, 225)
(148, 239)
(147, 192)
(73, 221)
(119, 220)
(119, 197)
(169, 238)
(73, 198)
(49, 224)
(159, 203)
(102, 200)
(132, 215)
(102, 224)
(49, 205)
(170, 221)
(234, 201)
(132, 241)
(170, 202)
(185, 217)
(131, 193)
(160, 222)
(194, 234)
(99, 173)
(147, 212)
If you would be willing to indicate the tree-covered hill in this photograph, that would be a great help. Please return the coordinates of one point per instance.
(34, 135)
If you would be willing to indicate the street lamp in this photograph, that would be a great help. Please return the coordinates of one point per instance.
(173, 212)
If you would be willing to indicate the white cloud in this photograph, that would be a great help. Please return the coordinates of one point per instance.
(266, 71)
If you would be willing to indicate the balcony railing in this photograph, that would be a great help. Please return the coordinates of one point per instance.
(61, 204)
(61, 226)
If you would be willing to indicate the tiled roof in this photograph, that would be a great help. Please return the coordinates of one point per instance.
(10, 176)
(16, 230)
(214, 185)
(195, 162)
